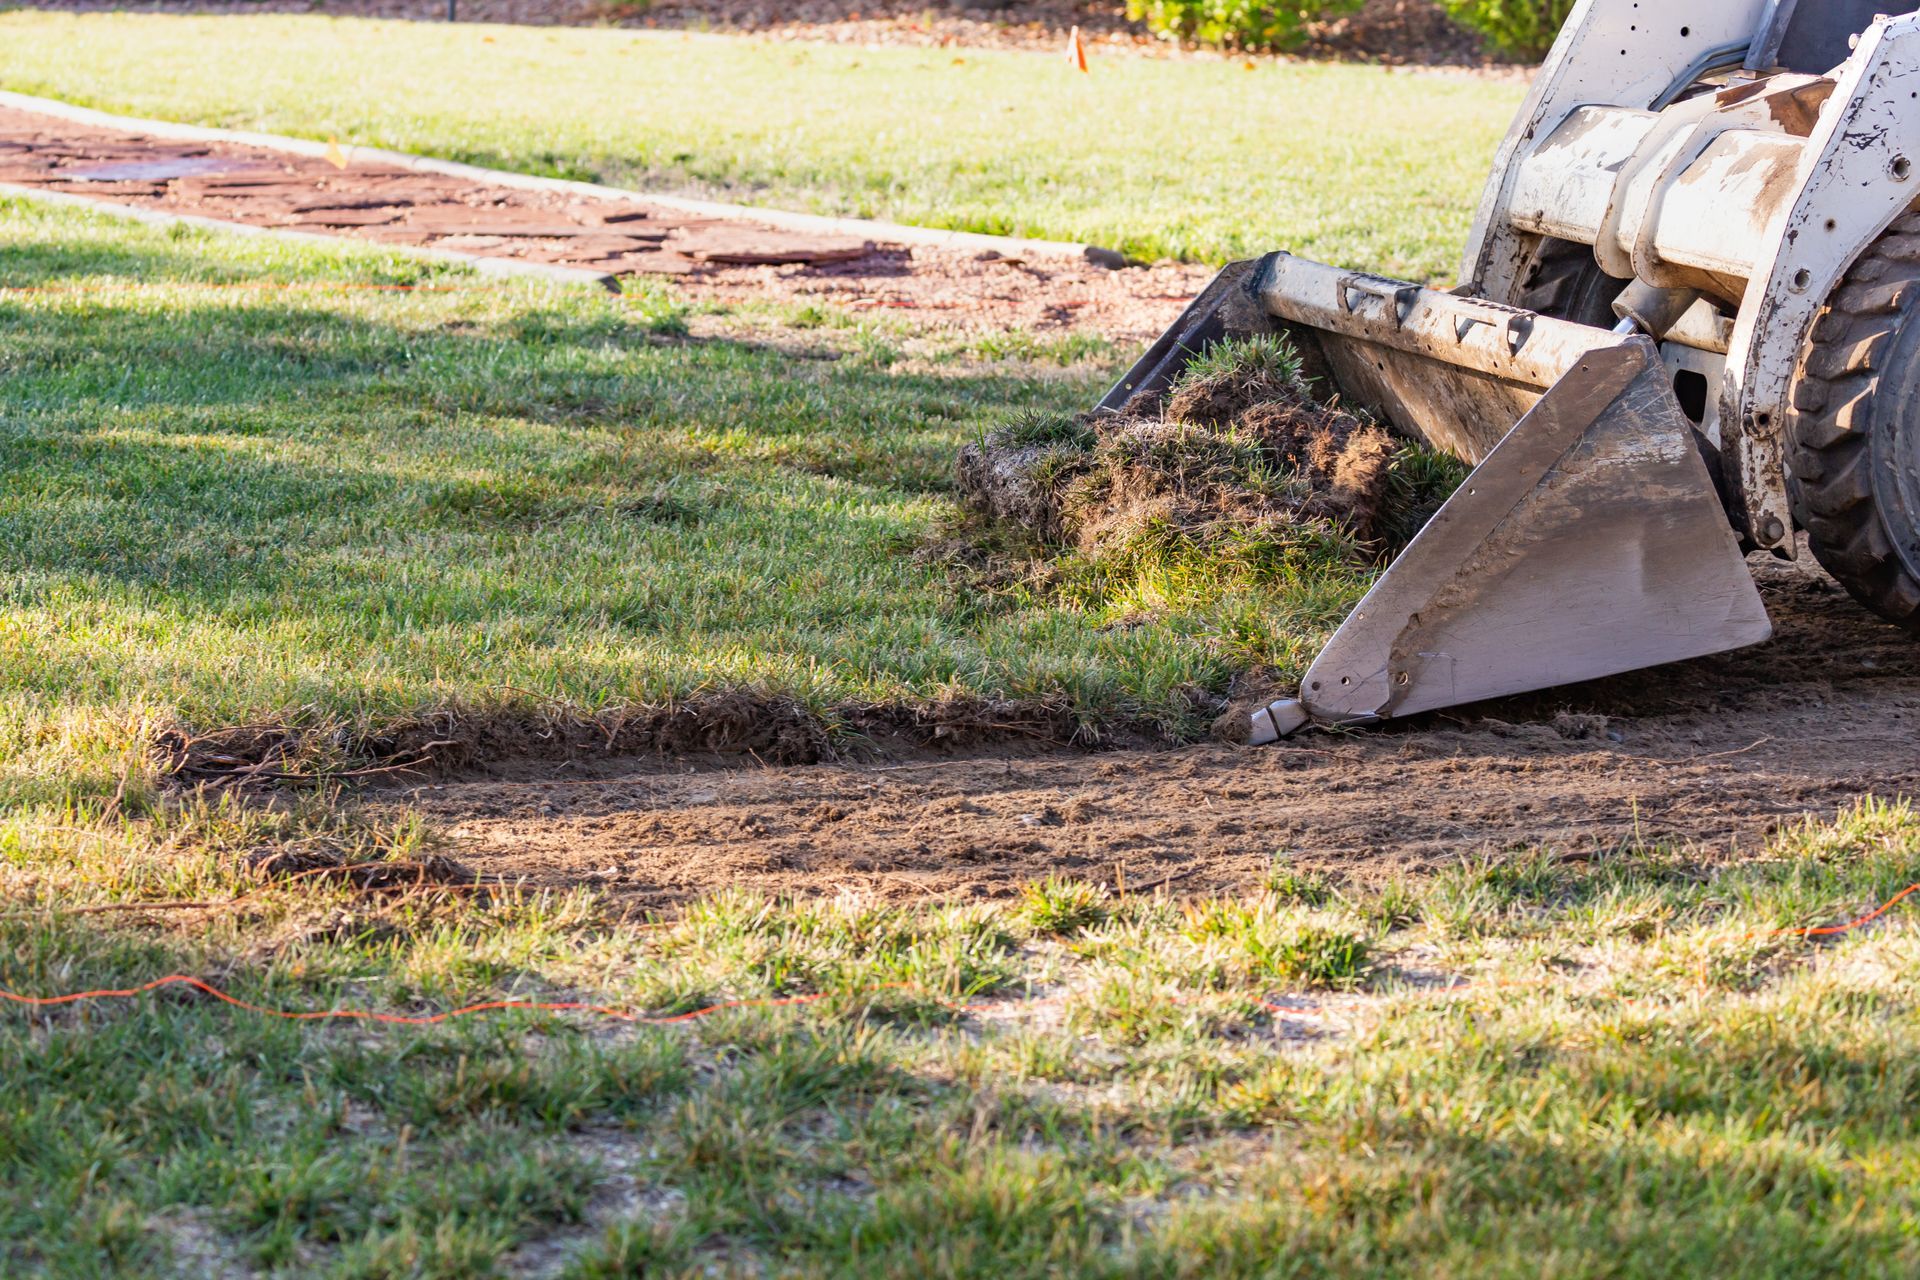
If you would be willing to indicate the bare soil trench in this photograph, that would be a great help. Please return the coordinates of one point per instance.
(1716, 753)
(722, 259)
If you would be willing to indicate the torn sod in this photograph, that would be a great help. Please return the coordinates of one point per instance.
(1239, 476)
(1239, 461)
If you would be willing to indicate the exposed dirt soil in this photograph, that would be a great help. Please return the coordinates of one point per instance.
(1395, 32)
(712, 727)
(728, 260)
(1718, 751)
(977, 293)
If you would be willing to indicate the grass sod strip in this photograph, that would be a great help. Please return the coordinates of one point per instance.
(1240, 474)
(1190, 158)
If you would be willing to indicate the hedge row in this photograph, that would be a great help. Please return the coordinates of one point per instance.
(1518, 28)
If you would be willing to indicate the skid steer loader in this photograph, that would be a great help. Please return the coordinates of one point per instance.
(1689, 326)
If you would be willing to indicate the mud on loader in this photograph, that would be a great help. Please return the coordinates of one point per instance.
(1690, 326)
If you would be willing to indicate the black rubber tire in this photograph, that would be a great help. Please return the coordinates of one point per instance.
(1853, 446)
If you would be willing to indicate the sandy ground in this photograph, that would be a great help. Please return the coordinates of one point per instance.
(1717, 752)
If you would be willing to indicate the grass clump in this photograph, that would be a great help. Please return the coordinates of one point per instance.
(1269, 943)
(1313, 956)
(1056, 907)
(1037, 429)
(1299, 888)
(1226, 377)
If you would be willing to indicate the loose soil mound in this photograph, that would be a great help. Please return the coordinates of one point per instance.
(707, 729)
(306, 864)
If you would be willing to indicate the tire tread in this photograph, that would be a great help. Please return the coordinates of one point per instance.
(1828, 456)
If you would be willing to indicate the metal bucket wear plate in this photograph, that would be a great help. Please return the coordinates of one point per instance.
(1590, 542)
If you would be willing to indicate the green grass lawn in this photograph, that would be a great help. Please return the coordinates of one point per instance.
(1524, 1068)
(344, 507)
(339, 506)
(1199, 159)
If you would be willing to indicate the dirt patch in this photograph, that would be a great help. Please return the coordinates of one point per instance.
(977, 293)
(197, 1245)
(972, 724)
(707, 729)
(774, 730)
(725, 260)
(1719, 752)
(307, 863)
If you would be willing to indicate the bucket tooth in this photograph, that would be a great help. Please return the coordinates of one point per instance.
(1590, 542)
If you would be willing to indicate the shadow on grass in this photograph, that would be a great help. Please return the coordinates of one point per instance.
(375, 504)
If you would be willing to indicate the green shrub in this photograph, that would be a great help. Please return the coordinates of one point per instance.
(1522, 28)
(1237, 24)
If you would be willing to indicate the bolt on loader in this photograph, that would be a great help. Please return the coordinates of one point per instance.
(1688, 330)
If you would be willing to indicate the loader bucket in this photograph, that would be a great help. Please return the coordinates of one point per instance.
(1589, 541)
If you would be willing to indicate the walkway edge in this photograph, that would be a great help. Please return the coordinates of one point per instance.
(549, 271)
(885, 232)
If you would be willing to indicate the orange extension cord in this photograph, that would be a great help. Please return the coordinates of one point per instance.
(666, 1020)
(117, 286)
(552, 1006)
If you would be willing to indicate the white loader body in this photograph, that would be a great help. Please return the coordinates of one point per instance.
(1680, 201)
